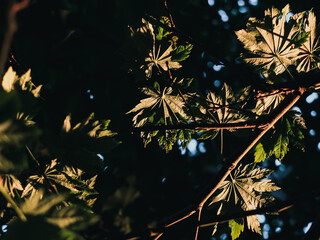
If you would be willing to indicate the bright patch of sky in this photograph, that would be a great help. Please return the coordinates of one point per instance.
(4, 228)
(241, 3)
(243, 9)
(204, 74)
(217, 83)
(313, 113)
(306, 228)
(277, 162)
(202, 148)
(318, 146)
(312, 132)
(312, 97)
(223, 236)
(217, 68)
(278, 229)
(261, 218)
(211, 3)
(253, 2)
(295, 108)
(100, 156)
(266, 227)
(192, 147)
(209, 64)
(224, 16)
(289, 15)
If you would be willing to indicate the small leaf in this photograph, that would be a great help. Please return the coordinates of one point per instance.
(259, 154)
(182, 53)
(236, 228)
(9, 79)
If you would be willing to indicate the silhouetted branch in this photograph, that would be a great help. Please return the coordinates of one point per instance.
(11, 28)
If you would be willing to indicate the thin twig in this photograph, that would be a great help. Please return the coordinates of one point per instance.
(169, 13)
(11, 28)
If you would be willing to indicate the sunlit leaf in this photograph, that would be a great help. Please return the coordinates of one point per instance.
(249, 189)
(259, 153)
(11, 184)
(270, 41)
(9, 79)
(309, 51)
(223, 107)
(236, 228)
(162, 107)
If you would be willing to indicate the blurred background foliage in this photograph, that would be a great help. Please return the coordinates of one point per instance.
(79, 51)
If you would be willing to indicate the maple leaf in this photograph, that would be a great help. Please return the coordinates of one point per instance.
(171, 106)
(248, 188)
(10, 183)
(223, 108)
(308, 59)
(69, 178)
(266, 104)
(270, 41)
(287, 131)
(163, 106)
(156, 57)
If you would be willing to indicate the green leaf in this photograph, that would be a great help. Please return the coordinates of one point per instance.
(259, 154)
(287, 131)
(182, 53)
(236, 228)
(300, 38)
(161, 32)
(281, 146)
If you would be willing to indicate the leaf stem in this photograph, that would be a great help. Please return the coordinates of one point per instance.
(221, 142)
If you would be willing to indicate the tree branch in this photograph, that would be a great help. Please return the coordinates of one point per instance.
(11, 28)
(279, 111)
(276, 208)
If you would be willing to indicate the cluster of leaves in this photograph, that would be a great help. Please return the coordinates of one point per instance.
(247, 189)
(54, 196)
(274, 44)
(288, 129)
(166, 103)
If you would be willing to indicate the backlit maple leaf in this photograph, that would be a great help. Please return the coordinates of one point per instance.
(270, 41)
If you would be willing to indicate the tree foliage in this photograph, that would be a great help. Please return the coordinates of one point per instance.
(69, 173)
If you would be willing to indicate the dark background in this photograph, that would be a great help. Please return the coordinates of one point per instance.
(80, 49)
